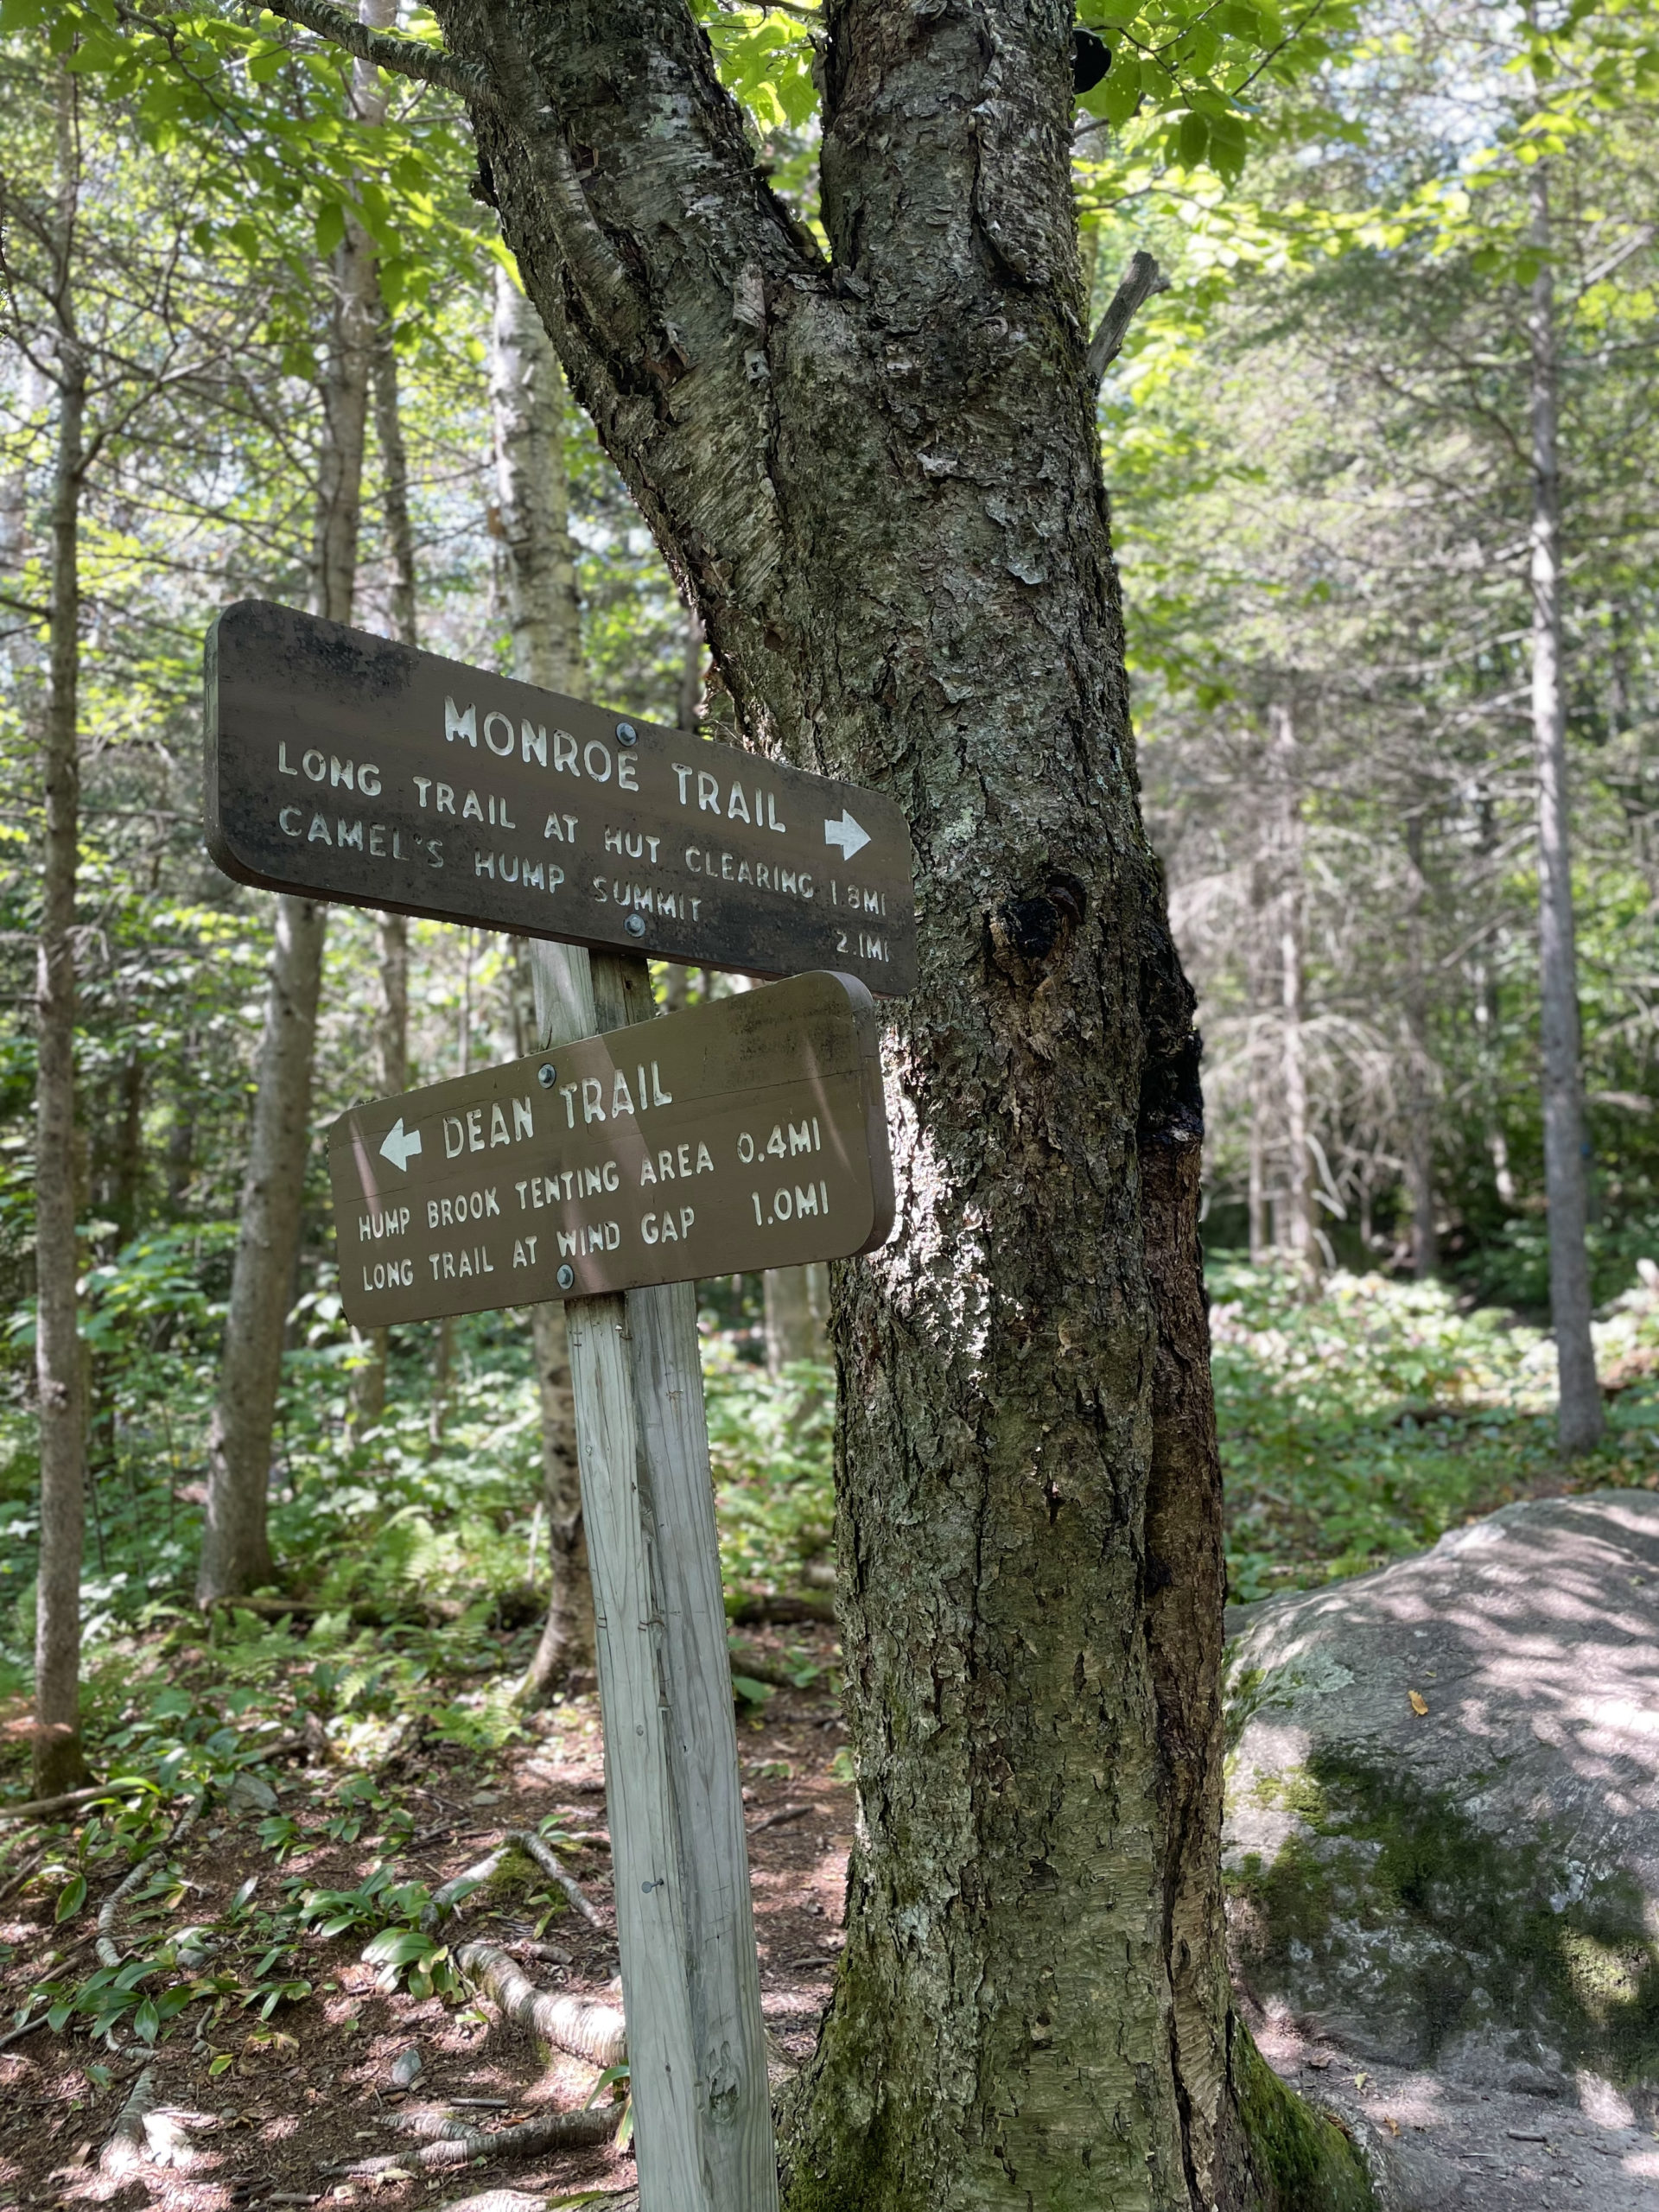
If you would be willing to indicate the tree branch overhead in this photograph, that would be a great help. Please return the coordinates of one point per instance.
(401, 57)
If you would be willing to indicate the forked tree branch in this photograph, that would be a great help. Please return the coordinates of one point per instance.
(403, 57)
(1141, 279)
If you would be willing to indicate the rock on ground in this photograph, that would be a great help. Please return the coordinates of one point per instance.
(1443, 1833)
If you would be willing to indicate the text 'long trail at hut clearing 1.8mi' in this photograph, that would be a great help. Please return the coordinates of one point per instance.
(348, 767)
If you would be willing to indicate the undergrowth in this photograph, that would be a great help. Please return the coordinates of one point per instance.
(1362, 1423)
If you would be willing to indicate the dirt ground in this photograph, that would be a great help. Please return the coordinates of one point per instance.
(321, 2085)
(324, 2089)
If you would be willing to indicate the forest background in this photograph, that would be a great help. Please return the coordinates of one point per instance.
(1320, 441)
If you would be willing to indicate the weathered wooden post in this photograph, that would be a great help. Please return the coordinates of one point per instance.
(685, 1918)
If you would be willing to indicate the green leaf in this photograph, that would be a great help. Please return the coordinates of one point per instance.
(146, 2022)
(330, 226)
(217, 2065)
(73, 1896)
(1192, 140)
(749, 1690)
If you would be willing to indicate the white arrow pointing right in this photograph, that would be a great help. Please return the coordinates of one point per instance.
(400, 1145)
(846, 834)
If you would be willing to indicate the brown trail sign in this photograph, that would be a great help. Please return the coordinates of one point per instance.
(348, 767)
(746, 1134)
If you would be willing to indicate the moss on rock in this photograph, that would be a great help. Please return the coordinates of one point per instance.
(1388, 1905)
(1301, 2160)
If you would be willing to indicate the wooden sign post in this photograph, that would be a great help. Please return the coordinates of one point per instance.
(607, 1169)
(685, 1916)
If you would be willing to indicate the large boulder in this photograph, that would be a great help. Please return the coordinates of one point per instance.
(1443, 1803)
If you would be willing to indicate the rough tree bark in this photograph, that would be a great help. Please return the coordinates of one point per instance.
(235, 1544)
(1581, 1420)
(878, 479)
(1297, 1236)
(528, 404)
(393, 1024)
(1420, 1098)
(60, 1376)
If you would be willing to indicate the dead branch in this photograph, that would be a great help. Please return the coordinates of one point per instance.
(26, 1873)
(1141, 279)
(42, 1808)
(533, 1848)
(402, 57)
(759, 1668)
(108, 1953)
(129, 2145)
(458, 2143)
(781, 1818)
(780, 1612)
(581, 2025)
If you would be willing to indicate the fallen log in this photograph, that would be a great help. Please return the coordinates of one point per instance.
(458, 2143)
(779, 1613)
(583, 2026)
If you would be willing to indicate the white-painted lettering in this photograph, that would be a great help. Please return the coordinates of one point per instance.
(456, 724)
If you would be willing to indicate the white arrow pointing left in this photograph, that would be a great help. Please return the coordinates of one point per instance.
(400, 1145)
(851, 836)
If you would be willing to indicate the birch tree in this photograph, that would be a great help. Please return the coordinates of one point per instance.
(96, 301)
(528, 407)
(1581, 1419)
(235, 1545)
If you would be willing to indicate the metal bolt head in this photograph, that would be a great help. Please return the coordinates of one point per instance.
(626, 733)
(565, 1277)
(547, 1075)
(635, 926)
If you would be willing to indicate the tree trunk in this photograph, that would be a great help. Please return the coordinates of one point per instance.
(60, 1373)
(235, 1546)
(880, 481)
(1298, 1226)
(1419, 1106)
(1263, 967)
(796, 1309)
(370, 1392)
(1581, 1418)
(528, 405)
(1491, 1049)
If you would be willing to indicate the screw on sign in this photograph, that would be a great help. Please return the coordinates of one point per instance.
(746, 1133)
(348, 767)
